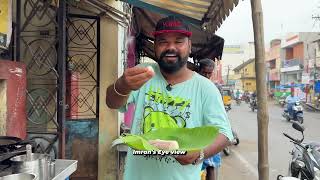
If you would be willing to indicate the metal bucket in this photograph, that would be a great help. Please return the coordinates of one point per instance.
(20, 176)
(37, 164)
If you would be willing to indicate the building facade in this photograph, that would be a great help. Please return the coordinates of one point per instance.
(273, 64)
(234, 55)
(297, 54)
(247, 75)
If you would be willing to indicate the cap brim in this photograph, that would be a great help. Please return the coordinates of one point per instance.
(184, 32)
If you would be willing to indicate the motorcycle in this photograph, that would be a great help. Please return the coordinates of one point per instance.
(305, 161)
(282, 102)
(253, 104)
(318, 102)
(297, 113)
(227, 108)
(238, 101)
(246, 98)
(280, 177)
(235, 142)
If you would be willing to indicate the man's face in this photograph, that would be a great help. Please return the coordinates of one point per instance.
(172, 51)
(206, 71)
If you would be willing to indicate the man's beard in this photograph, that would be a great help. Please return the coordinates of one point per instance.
(171, 67)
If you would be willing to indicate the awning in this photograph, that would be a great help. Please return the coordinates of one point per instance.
(204, 44)
(208, 14)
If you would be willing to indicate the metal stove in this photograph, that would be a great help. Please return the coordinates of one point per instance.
(9, 147)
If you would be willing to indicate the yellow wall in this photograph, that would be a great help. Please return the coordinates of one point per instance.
(247, 77)
(249, 84)
(249, 70)
(234, 76)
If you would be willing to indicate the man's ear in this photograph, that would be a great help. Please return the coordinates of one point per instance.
(190, 45)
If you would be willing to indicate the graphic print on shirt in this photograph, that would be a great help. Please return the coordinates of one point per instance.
(164, 111)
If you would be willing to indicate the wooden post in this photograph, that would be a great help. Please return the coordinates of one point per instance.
(263, 117)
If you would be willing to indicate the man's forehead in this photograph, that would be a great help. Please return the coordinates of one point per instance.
(208, 68)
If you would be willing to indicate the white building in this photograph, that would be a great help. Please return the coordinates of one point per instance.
(234, 55)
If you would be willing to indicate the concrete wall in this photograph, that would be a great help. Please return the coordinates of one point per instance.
(13, 97)
(3, 107)
(108, 119)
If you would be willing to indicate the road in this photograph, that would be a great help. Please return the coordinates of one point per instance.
(243, 162)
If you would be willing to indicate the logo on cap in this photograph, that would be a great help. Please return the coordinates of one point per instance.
(172, 24)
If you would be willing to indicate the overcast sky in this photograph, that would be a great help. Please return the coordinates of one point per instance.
(280, 17)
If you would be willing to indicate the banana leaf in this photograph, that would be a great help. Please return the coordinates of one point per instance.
(189, 139)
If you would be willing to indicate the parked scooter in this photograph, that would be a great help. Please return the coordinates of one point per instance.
(305, 161)
(297, 113)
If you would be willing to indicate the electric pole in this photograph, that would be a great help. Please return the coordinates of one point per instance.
(228, 74)
(263, 113)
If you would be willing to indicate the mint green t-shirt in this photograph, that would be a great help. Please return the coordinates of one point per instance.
(192, 103)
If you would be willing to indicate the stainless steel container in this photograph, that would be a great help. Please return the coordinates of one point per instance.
(37, 164)
(20, 176)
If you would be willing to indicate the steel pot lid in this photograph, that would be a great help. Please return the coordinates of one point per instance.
(20, 176)
(8, 141)
(34, 157)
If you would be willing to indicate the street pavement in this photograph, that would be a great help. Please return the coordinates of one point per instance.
(242, 163)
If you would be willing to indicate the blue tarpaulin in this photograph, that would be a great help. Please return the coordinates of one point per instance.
(317, 87)
(289, 86)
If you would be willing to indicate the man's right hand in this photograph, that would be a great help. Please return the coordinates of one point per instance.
(134, 78)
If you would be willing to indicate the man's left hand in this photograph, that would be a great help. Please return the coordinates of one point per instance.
(189, 158)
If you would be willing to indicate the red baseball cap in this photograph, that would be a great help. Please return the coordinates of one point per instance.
(171, 24)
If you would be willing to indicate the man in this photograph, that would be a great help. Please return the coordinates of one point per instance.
(206, 67)
(318, 101)
(176, 97)
(237, 94)
(238, 100)
(211, 164)
(290, 100)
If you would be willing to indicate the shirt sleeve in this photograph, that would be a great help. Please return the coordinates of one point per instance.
(214, 112)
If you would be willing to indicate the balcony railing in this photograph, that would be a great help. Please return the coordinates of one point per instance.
(291, 62)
